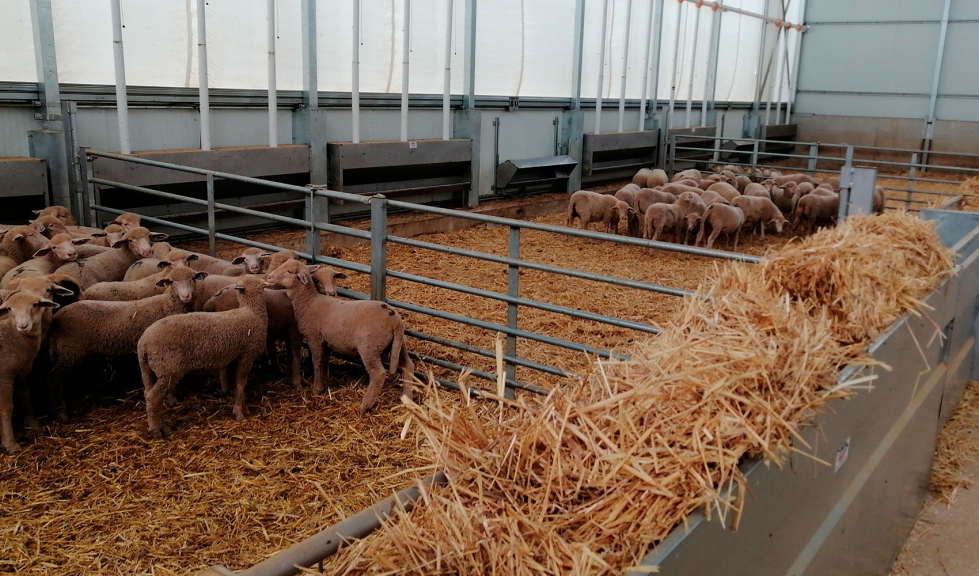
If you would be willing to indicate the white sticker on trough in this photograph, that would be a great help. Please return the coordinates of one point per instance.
(412, 144)
(841, 455)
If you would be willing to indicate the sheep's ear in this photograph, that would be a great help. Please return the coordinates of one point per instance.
(98, 235)
(158, 236)
(4, 309)
(238, 260)
(163, 264)
(193, 257)
(37, 211)
(303, 277)
(78, 241)
(312, 268)
(43, 251)
(46, 304)
(116, 221)
(164, 282)
(339, 276)
(200, 276)
(60, 290)
(239, 287)
(121, 243)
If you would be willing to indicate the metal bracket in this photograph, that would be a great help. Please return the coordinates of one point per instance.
(48, 117)
(513, 103)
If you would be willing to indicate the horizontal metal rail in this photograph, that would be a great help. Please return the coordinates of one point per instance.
(480, 373)
(487, 353)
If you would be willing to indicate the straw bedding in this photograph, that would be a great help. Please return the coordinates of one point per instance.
(588, 480)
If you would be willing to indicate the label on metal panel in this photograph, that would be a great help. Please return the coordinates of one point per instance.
(412, 144)
(841, 455)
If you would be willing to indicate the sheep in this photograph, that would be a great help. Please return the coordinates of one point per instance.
(365, 328)
(657, 178)
(593, 207)
(688, 203)
(228, 341)
(742, 182)
(659, 216)
(722, 219)
(689, 182)
(61, 289)
(112, 329)
(282, 321)
(713, 197)
(756, 190)
(726, 190)
(18, 246)
(814, 208)
(708, 181)
(137, 289)
(253, 260)
(212, 265)
(21, 316)
(784, 199)
(49, 226)
(760, 211)
(280, 258)
(112, 234)
(629, 197)
(828, 192)
(112, 265)
(676, 189)
(149, 266)
(641, 176)
(647, 197)
(59, 212)
(60, 249)
(128, 221)
(805, 188)
(878, 200)
(692, 174)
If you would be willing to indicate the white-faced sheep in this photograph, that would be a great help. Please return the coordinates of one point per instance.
(726, 190)
(692, 174)
(60, 249)
(253, 259)
(18, 246)
(723, 219)
(141, 288)
(760, 211)
(688, 203)
(594, 207)
(658, 217)
(228, 342)
(128, 221)
(59, 212)
(350, 328)
(112, 265)
(111, 329)
(111, 234)
(20, 338)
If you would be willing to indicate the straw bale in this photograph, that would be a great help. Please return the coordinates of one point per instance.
(601, 470)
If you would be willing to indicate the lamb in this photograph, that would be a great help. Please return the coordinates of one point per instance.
(659, 216)
(657, 178)
(128, 221)
(641, 176)
(364, 328)
(723, 219)
(111, 234)
(112, 329)
(59, 212)
(784, 199)
(688, 203)
(212, 265)
(593, 207)
(228, 341)
(726, 190)
(280, 258)
(18, 246)
(814, 208)
(252, 259)
(112, 265)
(760, 211)
(647, 197)
(757, 190)
(60, 249)
(692, 174)
(20, 338)
(712, 197)
(138, 289)
(148, 266)
(282, 321)
(629, 197)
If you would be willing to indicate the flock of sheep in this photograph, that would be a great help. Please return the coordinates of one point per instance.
(724, 202)
(69, 293)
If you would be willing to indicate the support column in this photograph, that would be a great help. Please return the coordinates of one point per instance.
(204, 88)
(707, 106)
(750, 126)
(50, 142)
(573, 120)
(309, 121)
(122, 99)
(579, 41)
(468, 123)
(469, 56)
(929, 132)
(273, 98)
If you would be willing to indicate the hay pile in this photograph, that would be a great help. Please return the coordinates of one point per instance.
(601, 471)
(970, 195)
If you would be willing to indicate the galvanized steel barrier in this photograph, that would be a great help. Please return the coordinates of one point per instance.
(317, 220)
(814, 157)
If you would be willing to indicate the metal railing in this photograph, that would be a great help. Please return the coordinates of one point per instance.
(818, 157)
(317, 220)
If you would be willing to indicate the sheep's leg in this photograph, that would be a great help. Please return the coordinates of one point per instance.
(295, 356)
(316, 352)
(375, 369)
(7, 414)
(242, 367)
(155, 406)
(224, 376)
(22, 391)
(713, 236)
(737, 233)
(57, 375)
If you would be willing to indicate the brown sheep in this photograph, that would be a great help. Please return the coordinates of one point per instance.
(60, 249)
(647, 197)
(692, 174)
(689, 182)
(212, 265)
(280, 258)
(713, 197)
(760, 211)
(363, 328)
(18, 246)
(112, 234)
(253, 259)
(112, 329)
(723, 219)
(593, 207)
(798, 178)
(149, 266)
(112, 265)
(726, 190)
(641, 176)
(228, 342)
(21, 316)
(815, 208)
(59, 212)
(657, 178)
(707, 181)
(741, 182)
(757, 190)
(878, 201)
(128, 221)
(688, 203)
(138, 289)
(660, 216)
(676, 189)
(634, 227)
(784, 199)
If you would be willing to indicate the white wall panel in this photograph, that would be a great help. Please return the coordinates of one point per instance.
(14, 124)
(16, 42)
(874, 10)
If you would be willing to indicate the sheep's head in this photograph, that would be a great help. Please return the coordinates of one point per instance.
(779, 222)
(113, 233)
(49, 226)
(140, 241)
(43, 286)
(25, 310)
(693, 219)
(59, 212)
(325, 280)
(769, 184)
(280, 258)
(177, 259)
(128, 221)
(250, 286)
(181, 282)
(624, 210)
(62, 246)
(253, 259)
(20, 234)
(290, 274)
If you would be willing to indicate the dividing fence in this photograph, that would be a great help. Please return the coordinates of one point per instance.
(316, 220)
(917, 178)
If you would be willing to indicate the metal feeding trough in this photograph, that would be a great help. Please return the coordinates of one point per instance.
(22, 177)
(534, 174)
(617, 155)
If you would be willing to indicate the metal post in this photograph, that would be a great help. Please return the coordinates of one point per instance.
(933, 97)
(711, 80)
(496, 148)
(405, 51)
(759, 71)
(649, 60)
(557, 135)
(693, 64)
(579, 41)
(754, 154)
(793, 76)
(782, 73)
(469, 54)
(273, 103)
(773, 82)
(676, 61)
(912, 174)
(316, 211)
(355, 78)
(513, 290)
(310, 73)
(212, 247)
(379, 253)
(447, 87)
(122, 101)
(601, 70)
(625, 66)
(87, 191)
(813, 158)
(672, 168)
(204, 97)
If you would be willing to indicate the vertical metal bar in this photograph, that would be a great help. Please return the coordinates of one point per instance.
(317, 211)
(557, 135)
(355, 78)
(405, 51)
(693, 64)
(813, 158)
(87, 191)
(579, 42)
(447, 81)
(496, 148)
(601, 70)
(379, 252)
(933, 97)
(46, 59)
(310, 72)
(846, 182)
(469, 68)
(273, 101)
(782, 73)
(212, 247)
(645, 68)
(625, 66)
(773, 81)
(794, 75)
(672, 154)
(912, 174)
(710, 83)
(754, 154)
(654, 91)
(676, 61)
(203, 90)
(760, 69)
(513, 290)
(122, 100)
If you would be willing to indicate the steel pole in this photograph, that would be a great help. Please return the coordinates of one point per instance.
(933, 97)
(760, 69)
(772, 81)
(405, 50)
(212, 246)
(273, 104)
(447, 82)
(676, 61)
(379, 253)
(693, 65)
(601, 70)
(122, 100)
(645, 69)
(625, 66)
(579, 41)
(204, 96)
(793, 77)
(355, 78)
